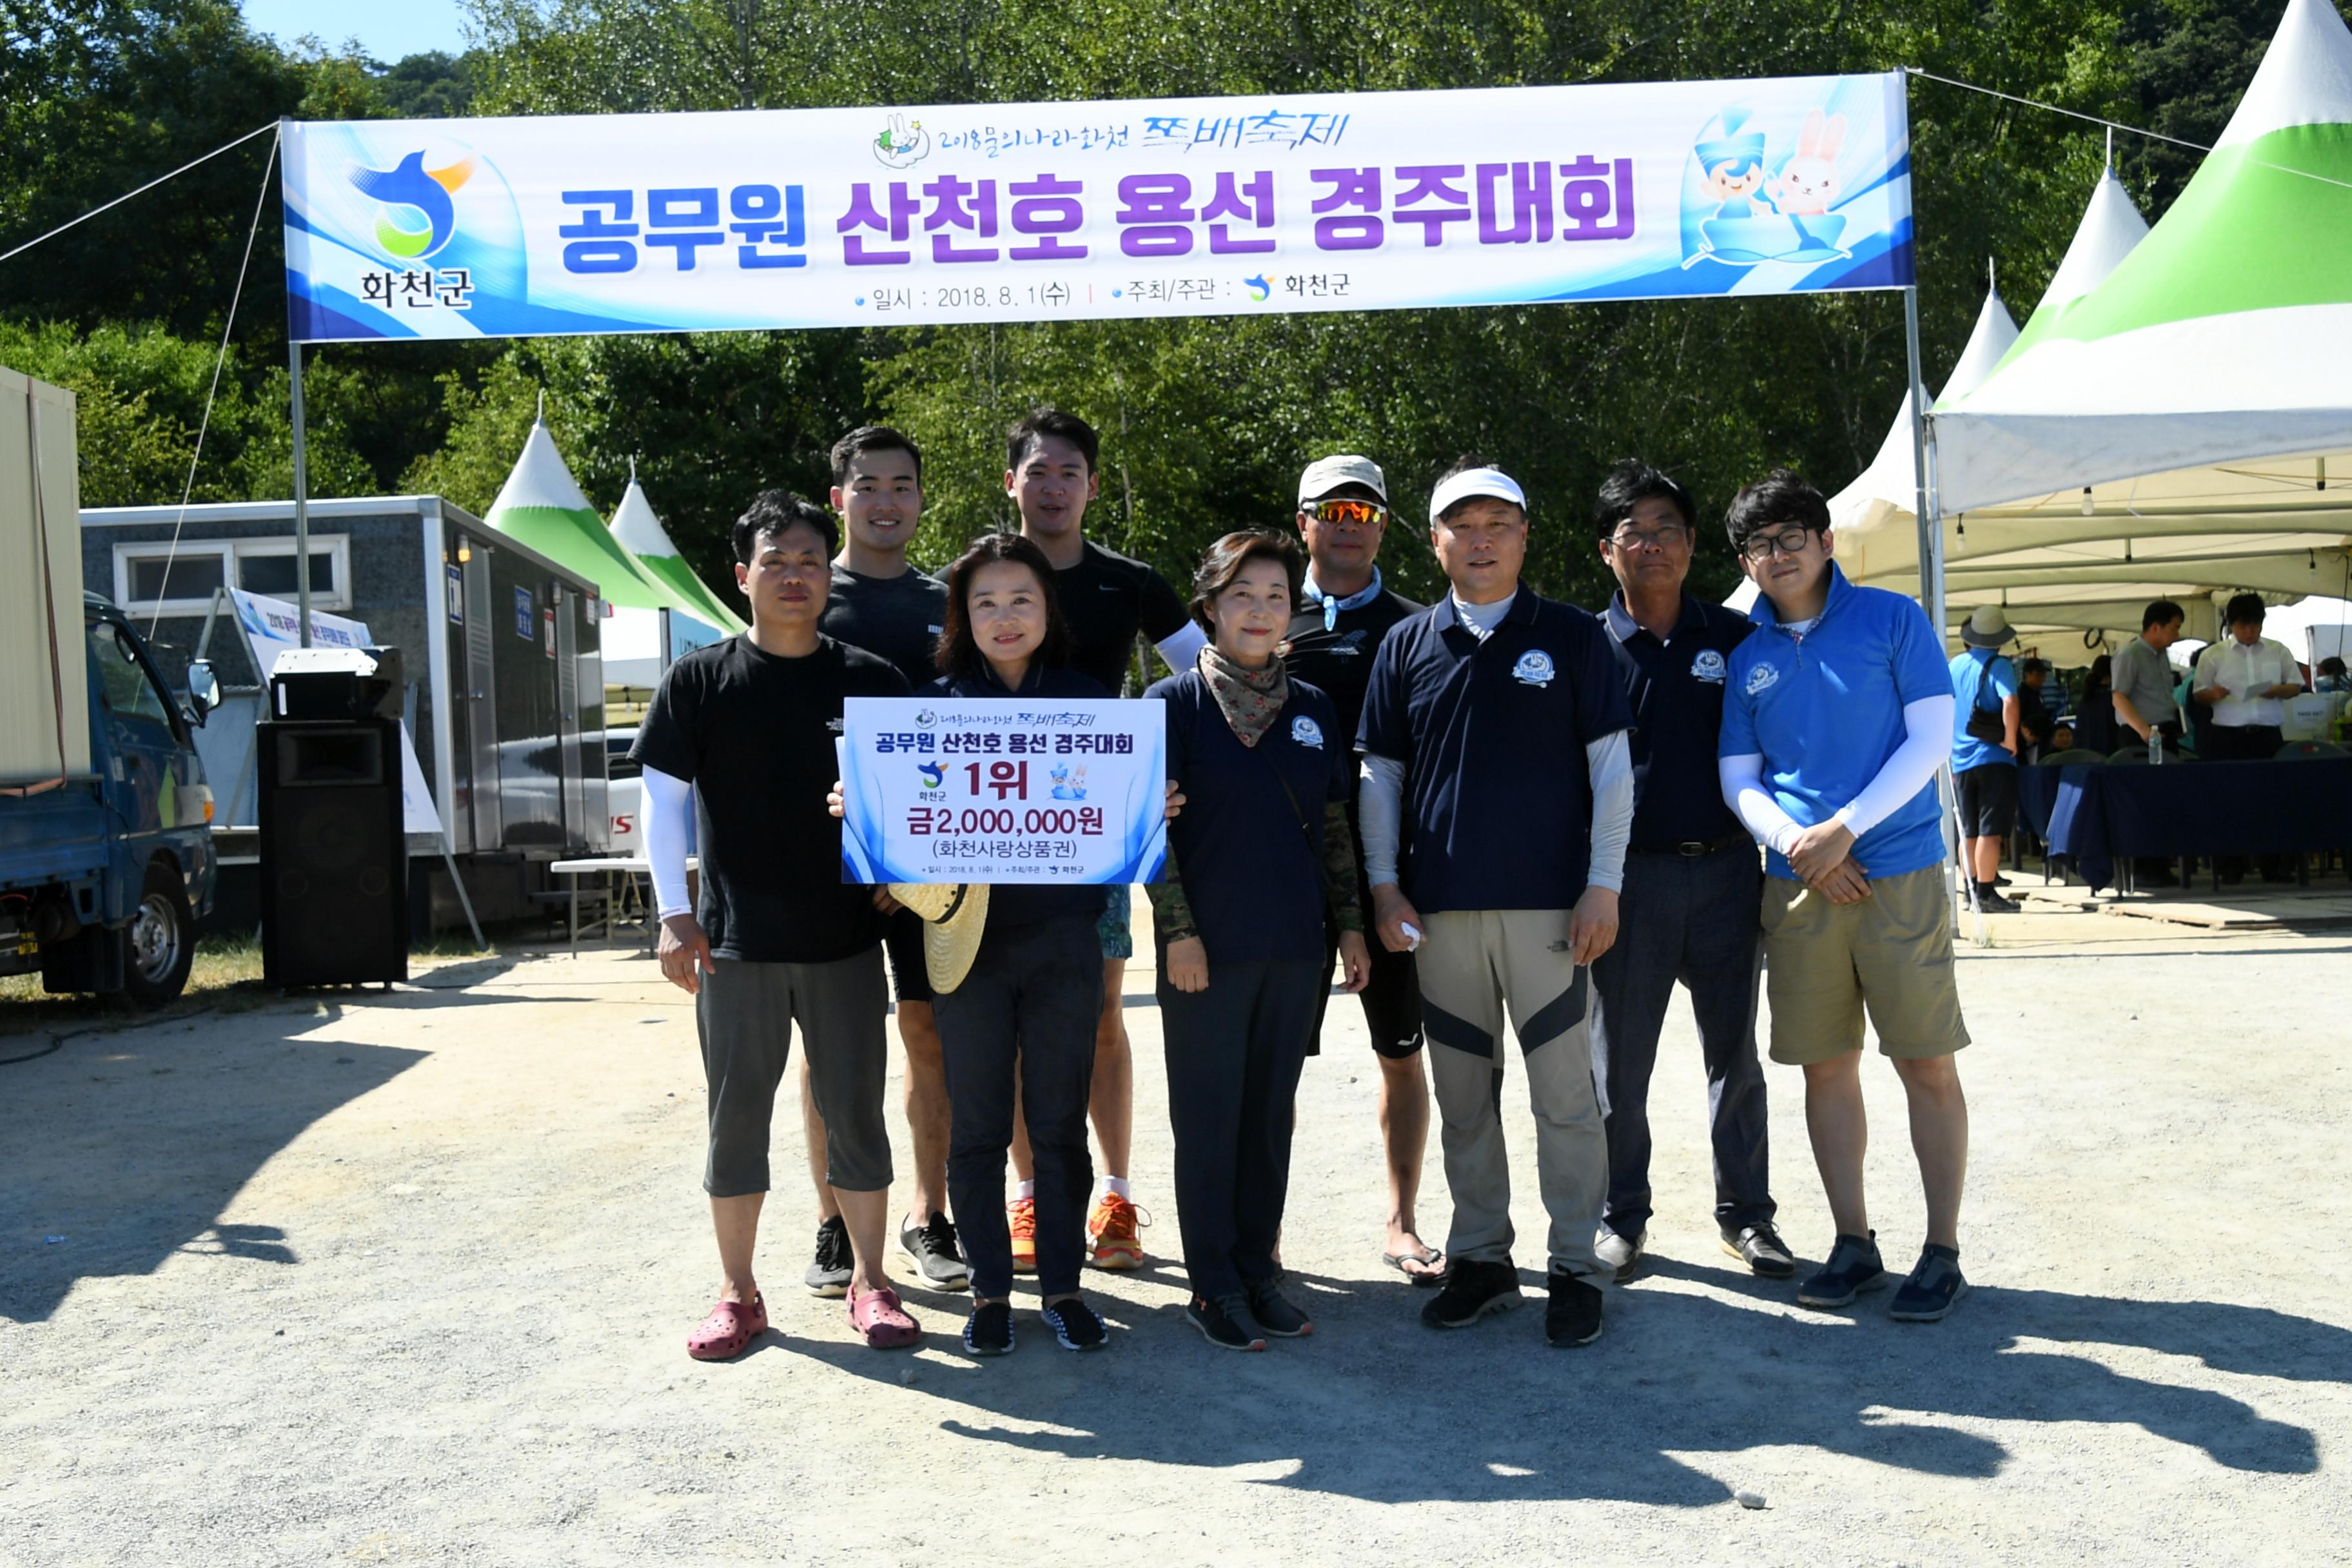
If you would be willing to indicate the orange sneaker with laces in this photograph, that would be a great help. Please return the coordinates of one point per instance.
(1021, 1217)
(1112, 1234)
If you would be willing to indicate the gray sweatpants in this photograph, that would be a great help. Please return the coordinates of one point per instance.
(745, 1014)
(1473, 965)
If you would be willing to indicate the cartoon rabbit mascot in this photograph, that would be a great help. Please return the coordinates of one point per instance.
(1808, 183)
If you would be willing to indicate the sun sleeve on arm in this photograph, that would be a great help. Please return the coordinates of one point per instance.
(1609, 761)
(1379, 816)
(1742, 781)
(669, 828)
(1926, 740)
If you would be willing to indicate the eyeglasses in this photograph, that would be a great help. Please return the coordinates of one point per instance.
(1664, 538)
(1363, 513)
(1786, 541)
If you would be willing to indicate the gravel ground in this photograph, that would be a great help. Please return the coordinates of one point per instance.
(405, 1278)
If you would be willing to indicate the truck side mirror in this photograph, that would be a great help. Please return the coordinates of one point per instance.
(204, 689)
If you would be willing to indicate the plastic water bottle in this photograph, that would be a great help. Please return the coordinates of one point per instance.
(2155, 745)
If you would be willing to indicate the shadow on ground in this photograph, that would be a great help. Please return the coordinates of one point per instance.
(128, 1143)
(1376, 1408)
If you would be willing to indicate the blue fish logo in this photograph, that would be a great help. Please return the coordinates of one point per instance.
(933, 774)
(419, 215)
(1258, 286)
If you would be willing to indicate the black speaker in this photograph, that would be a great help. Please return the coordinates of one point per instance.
(334, 864)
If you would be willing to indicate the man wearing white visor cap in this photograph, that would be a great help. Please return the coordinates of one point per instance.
(1496, 800)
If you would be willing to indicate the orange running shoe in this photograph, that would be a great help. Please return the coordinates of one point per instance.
(1111, 1232)
(1021, 1216)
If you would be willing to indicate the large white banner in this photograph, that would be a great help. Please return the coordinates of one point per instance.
(1075, 211)
(944, 790)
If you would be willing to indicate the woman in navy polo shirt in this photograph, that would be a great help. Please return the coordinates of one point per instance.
(1030, 1004)
(1260, 853)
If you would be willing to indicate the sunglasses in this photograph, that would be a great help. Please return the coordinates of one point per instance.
(1365, 513)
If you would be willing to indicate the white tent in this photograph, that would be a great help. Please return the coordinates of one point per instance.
(640, 531)
(2171, 431)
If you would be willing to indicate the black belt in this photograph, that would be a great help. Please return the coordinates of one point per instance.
(1693, 849)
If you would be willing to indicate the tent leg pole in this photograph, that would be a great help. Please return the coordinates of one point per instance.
(1931, 584)
(301, 494)
(464, 903)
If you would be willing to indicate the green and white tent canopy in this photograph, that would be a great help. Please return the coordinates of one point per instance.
(640, 531)
(2184, 427)
(541, 506)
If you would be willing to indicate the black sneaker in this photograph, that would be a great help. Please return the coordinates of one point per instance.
(1760, 1248)
(932, 1245)
(829, 1275)
(1853, 1267)
(1275, 1312)
(989, 1329)
(1076, 1327)
(1934, 1288)
(1217, 1321)
(1574, 1316)
(1472, 1290)
(1994, 903)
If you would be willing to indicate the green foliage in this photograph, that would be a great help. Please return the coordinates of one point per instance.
(140, 394)
(1205, 421)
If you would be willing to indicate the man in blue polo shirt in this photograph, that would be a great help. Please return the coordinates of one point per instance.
(1692, 882)
(1837, 713)
(1496, 759)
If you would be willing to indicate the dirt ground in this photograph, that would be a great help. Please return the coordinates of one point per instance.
(406, 1276)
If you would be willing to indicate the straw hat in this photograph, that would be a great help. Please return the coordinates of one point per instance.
(954, 915)
(1987, 627)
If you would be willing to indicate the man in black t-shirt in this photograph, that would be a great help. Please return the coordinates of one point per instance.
(741, 734)
(1344, 612)
(881, 604)
(1050, 471)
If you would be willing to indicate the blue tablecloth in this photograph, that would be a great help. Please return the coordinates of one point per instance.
(2101, 812)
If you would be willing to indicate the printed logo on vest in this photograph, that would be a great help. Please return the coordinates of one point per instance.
(1708, 666)
(1534, 669)
(1306, 731)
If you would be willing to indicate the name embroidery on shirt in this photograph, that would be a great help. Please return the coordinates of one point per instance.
(1761, 677)
(1534, 669)
(1708, 666)
(1306, 731)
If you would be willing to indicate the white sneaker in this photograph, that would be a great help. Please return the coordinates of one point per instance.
(1618, 1254)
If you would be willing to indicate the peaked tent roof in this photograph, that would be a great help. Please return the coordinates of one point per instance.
(2219, 342)
(2222, 338)
(541, 507)
(641, 532)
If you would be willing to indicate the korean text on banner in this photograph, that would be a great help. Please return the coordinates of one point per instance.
(782, 218)
(937, 790)
(273, 626)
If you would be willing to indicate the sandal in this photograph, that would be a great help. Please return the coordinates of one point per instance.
(885, 1325)
(728, 1331)
(1431, 1262)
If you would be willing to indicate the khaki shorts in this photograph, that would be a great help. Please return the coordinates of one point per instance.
(1892, 954)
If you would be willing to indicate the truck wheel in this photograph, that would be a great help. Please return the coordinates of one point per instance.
(161, 944)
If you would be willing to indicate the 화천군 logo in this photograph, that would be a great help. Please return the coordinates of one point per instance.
(420, 214)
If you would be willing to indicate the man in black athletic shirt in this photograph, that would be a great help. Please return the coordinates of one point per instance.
(881, 604)
(1050, 471)
(1344, 612)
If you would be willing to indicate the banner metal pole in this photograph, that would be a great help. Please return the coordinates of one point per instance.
(301, 493)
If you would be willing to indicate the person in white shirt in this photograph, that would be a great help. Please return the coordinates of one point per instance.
(2243, 677)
